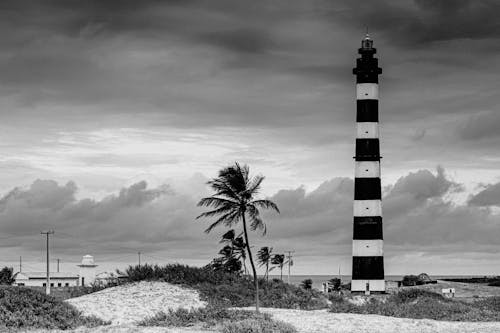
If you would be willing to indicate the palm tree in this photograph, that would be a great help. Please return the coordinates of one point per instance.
(238, 246)
(306, 284)
(234, 201)
(279, 261)
(264, 258)
(228, 262)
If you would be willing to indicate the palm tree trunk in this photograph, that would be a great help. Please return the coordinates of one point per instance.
(267, 271)
(281, 273)
(256, 282)
(244, 266)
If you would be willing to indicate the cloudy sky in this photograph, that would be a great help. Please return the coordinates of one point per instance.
(114, 114)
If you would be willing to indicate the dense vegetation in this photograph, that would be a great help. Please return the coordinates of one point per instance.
(416, 280)
(7, 276)
(494, 283)
(258, 325)
(228, 289)
(484, 279)
(27, 308)
(419, 304)
(228, 320)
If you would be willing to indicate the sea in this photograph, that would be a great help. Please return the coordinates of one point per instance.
(319, 279)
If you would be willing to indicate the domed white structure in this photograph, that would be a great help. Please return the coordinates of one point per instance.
(87, 270)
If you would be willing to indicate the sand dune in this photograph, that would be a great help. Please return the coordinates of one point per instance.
(133, 302)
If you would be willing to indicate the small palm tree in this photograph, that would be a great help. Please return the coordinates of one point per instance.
(306, 284)
(278, 260)
(234, 201)
(238, 246)
(264, 258)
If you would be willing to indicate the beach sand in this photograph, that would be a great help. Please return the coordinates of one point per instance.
(321, 321)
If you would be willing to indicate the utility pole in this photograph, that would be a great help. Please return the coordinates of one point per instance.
(139, 254)
(290, 263)
(20, 264)
(58, 260)
(47, 286)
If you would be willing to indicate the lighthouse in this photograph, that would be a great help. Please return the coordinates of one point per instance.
(367, 244)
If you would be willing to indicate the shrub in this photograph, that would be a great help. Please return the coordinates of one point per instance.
(26, 308)
(260, 325)
(306, 284)
(335, 298)
(489, 303)
(179, 274)
(335, 284)
(410, 295)
(7, 275)
(410, 280)
(494, 283)
(278, 294)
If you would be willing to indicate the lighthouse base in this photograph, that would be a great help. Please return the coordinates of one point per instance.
(370, 285)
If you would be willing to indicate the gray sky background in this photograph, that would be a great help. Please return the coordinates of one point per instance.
(113, 115)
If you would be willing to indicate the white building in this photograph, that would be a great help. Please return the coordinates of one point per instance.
(87, 270)
(39, 279)
(60, 279)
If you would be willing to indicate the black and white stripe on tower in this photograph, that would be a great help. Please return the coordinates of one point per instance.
(367, 244)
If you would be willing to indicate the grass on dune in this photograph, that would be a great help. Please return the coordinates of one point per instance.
(26, 308)
(226, 320)
(420, 304)
(209, 317)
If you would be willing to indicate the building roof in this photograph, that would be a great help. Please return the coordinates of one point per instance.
(43, 275)
(87, 261)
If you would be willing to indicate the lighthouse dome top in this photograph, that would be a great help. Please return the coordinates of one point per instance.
(367, 42)
(88, 260)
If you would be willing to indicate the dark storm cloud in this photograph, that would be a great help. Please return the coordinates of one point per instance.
(419, 22)
(313, 214)
(490, 196)
(47, 204)
(415, 189)
(207, 63)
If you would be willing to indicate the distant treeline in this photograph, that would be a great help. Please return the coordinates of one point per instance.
(491, 280)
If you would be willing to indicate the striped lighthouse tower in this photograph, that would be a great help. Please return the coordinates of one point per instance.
(367, 244)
